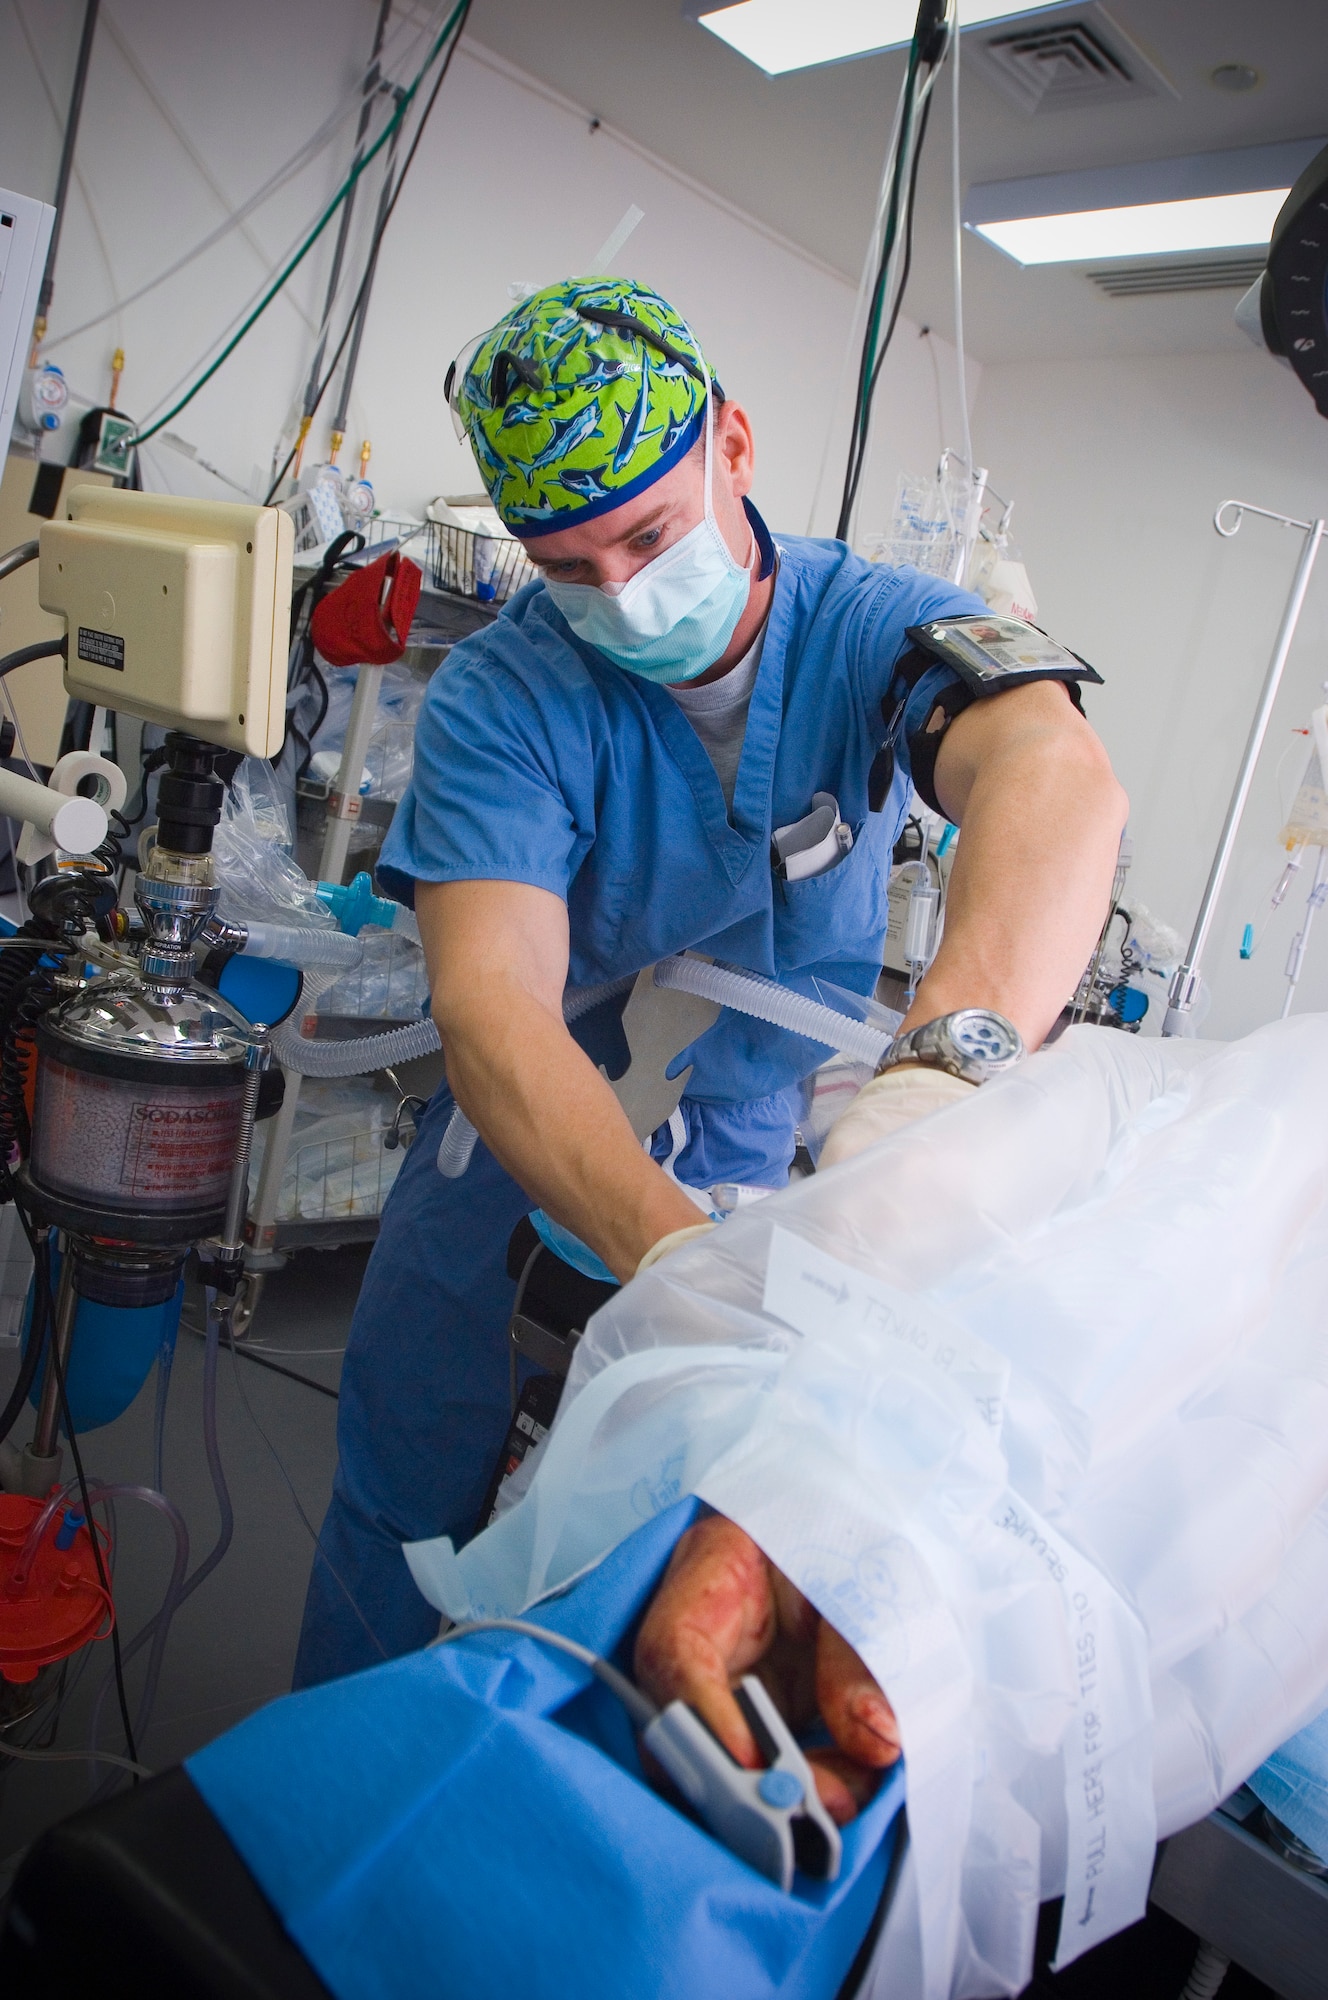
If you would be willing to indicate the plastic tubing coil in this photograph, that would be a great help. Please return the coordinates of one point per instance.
(458, 1141)
(748, 993)
(303, 945)
(357, 1058)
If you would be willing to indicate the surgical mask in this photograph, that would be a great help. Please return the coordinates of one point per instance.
(674, 618)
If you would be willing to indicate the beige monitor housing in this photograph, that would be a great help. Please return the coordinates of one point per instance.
(177, 610)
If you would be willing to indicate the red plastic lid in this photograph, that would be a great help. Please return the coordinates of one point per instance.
(62, 1605)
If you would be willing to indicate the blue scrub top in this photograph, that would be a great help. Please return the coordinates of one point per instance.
(537, 760)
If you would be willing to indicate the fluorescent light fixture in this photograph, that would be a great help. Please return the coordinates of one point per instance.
(780, 35)
(1143, 208)
(1159, 228)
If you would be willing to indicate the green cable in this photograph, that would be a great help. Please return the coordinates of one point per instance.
(393, 124)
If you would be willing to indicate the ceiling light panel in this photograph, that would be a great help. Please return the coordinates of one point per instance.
(1154, 229)
(783, 35)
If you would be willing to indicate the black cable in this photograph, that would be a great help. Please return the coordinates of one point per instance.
(27, 1373)
(378, 236)
(44, 649)
(857, 1972)
(67, 144)
(888, 235)
(906, 266)
(859, 461)
(42, 1276)
(261, 1361)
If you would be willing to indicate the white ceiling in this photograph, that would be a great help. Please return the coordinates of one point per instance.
(803, 152)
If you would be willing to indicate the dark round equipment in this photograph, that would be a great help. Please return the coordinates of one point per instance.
(1293, 292)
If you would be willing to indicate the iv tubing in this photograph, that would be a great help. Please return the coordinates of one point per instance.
(179, 1589)
(70, 1495)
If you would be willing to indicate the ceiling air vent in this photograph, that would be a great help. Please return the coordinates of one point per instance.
(1207, 274)
(1073, 62)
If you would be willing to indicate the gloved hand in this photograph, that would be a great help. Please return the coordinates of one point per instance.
(673, 1241)
(886, 1105)
(723, 1610)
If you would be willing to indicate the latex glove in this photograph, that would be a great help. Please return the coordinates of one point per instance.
(673, 1241)
(886, 1105)
(723, 1610)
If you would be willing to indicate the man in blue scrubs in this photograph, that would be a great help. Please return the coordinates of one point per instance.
(598, 778)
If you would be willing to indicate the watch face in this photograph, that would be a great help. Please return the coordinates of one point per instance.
(984, 1037)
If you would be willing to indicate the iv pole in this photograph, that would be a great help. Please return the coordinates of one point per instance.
(1185, 984)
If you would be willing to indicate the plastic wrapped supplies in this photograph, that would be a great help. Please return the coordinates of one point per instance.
(337, 1166)
(1032, 1402)
(252, 852)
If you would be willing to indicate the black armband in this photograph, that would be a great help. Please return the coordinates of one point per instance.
(991, 654)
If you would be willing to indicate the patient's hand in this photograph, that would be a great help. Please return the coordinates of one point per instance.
(722, 1611)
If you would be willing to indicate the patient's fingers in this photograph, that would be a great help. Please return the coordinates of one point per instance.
(712, 1619)
(845, 1786)
(852, 1705)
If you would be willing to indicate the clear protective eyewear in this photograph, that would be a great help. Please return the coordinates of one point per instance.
(509, 368)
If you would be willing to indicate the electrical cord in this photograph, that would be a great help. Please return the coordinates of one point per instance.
(261, 1361)
(460, 16)
(247, 1353)
(27, 1373)
(320, 1553)
(293, 263)
(639, 1706)
(42, 649)
(42, 1273)
(932, 34)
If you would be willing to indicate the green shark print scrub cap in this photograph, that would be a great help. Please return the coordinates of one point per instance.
(583, 396)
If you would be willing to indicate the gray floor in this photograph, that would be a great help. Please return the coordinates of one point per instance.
(233, 1643)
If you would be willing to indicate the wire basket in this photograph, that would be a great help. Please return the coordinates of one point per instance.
(491, 568)
(338, 1179)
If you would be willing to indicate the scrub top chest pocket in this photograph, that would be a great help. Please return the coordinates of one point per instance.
(838, 915)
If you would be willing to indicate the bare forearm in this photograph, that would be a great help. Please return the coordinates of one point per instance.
(549, 1117)
(1041, 822)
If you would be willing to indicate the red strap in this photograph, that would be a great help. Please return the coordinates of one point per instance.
(365, 621)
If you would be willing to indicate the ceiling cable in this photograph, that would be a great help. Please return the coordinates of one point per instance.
(68, 143)
(458, 20)
(457, 16)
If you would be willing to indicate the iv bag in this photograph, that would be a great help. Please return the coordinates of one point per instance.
(1307, 823)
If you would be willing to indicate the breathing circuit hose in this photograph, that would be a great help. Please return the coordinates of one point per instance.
(748, 993)
(303, 946)
(744, 992)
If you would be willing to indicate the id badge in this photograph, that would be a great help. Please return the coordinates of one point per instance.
(993, 652)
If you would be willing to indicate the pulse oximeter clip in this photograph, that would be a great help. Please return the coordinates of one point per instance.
(772, 1819)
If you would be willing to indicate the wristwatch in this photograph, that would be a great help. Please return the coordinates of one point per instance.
(975, 1043)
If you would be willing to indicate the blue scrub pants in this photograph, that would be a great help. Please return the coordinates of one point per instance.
(425, 1382)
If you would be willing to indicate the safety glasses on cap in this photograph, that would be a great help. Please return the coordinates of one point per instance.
(509, 368)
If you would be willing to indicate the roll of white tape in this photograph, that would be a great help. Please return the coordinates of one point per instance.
(77, 765)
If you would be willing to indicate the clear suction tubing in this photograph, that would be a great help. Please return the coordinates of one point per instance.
(744, 992)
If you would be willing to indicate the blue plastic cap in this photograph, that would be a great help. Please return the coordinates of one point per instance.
(1247, 941)
(69, 1527)
(780, 1789)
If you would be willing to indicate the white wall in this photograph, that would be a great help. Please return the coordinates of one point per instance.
(1116, 468)
(189, 109)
